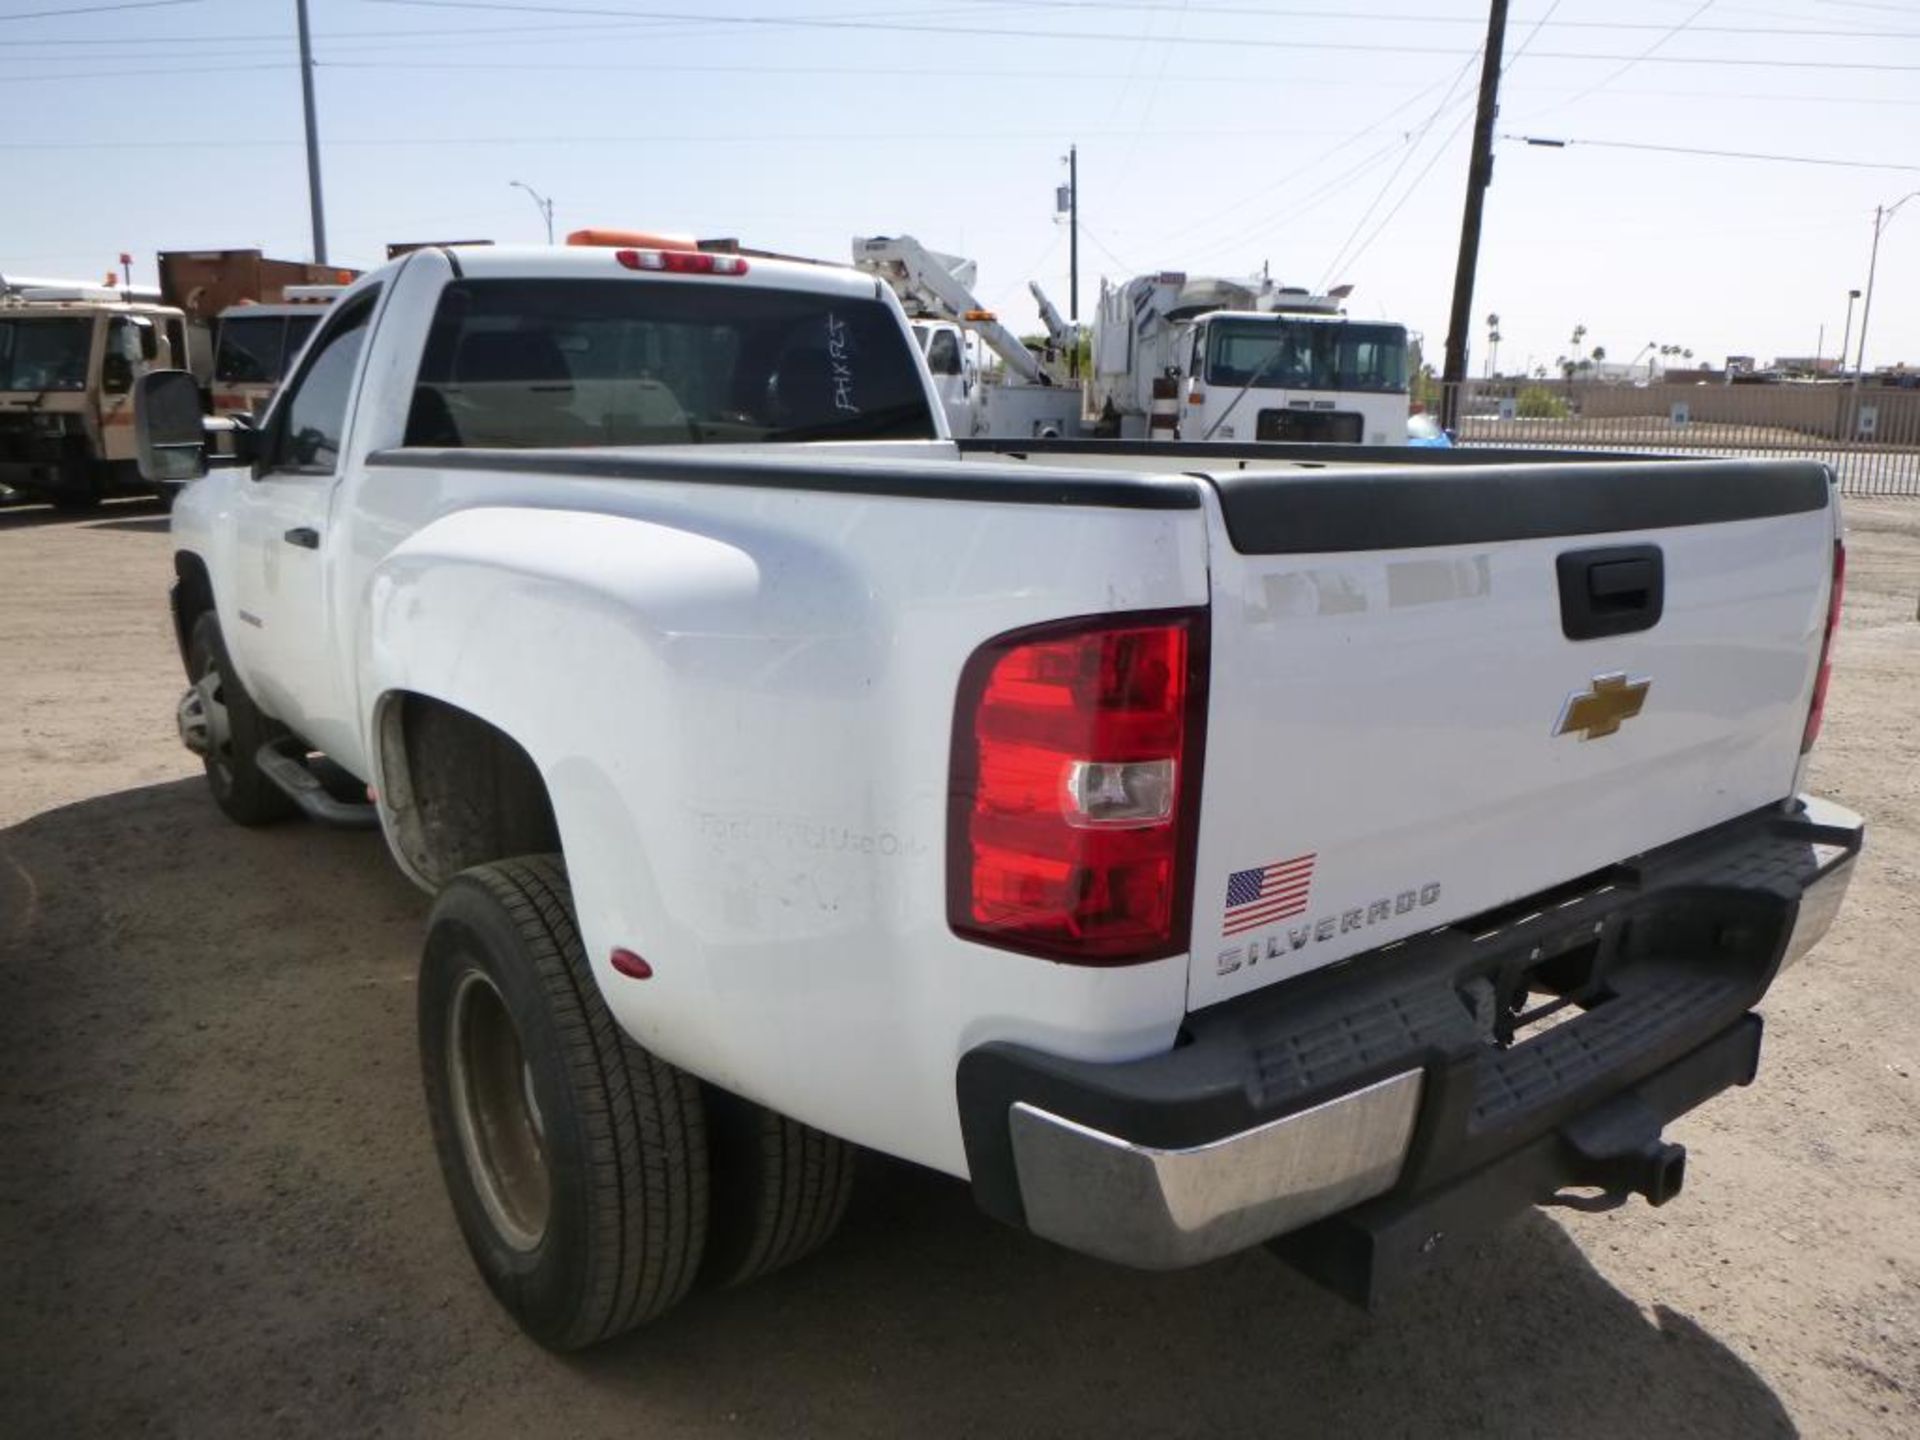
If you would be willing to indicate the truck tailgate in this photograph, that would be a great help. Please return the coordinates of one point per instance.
(1404, 729)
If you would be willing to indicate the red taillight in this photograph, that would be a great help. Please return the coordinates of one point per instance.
(1075, 787)
(1817, 711)
(682, 262)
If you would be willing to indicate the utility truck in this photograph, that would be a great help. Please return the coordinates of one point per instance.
(1030, 396)
(1212, 359)
(1188, 847)
(257, 310)
(255, 345)
(70, 352)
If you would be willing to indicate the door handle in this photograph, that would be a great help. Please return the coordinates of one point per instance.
(305, 536)
(1618, 590)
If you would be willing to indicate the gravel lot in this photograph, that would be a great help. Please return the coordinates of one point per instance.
(219, 1212)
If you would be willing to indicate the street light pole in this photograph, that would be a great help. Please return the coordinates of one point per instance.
(314, 207)
(545, 205)
(1881, 215)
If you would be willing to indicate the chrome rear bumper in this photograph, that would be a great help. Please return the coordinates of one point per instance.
(1385, 1083)
(1162, 1209)
(1820, 901)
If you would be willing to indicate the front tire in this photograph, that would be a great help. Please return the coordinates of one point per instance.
(576, 1161)
(235, 731)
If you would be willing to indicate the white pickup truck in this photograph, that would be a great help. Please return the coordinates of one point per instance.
(1190, 847)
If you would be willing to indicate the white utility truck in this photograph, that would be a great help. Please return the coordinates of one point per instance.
(1212, 359)
(1029, 396)
(1190, 849)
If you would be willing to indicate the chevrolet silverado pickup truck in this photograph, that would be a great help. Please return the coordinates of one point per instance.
(1190, 847)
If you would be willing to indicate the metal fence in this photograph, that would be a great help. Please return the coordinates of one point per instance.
(1871, 437)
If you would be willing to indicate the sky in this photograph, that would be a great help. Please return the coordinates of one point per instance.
(1325, 140)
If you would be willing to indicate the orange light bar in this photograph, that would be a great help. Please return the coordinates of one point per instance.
(632, 239)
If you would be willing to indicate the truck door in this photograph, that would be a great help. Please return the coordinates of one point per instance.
(945, 360)
(125, 357)
(279, 635)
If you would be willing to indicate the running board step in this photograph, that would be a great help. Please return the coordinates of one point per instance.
(284, 762)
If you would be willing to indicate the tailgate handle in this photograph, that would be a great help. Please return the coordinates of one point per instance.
(1615, 590)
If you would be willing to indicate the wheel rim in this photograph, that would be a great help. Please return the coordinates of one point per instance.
(501, 1132)
(209, 697)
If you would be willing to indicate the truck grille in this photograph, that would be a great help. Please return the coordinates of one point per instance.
(1310, 427)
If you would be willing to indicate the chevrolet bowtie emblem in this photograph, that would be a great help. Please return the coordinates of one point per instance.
(1601, 709)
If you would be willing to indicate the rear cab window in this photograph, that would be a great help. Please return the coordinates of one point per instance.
(565, 363)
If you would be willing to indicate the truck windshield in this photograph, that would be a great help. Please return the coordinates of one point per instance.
(251, 349)
(45, 354)
(299, 327)
(1283, 354)
(594, 362)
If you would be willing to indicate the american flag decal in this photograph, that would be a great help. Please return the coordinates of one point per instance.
(1272, 892)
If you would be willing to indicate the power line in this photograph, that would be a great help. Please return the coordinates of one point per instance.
(509, 33)
(1287, 181)
(757, 138)
(141, 70)
(1342, 257)
(1087, 37)
(1414, 141)
(1299, 207)
(95, 9)
(1405, 18)
(1558, 144)
(1646, 54)
(1104, 248)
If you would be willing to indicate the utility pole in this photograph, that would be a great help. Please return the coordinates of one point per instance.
(1073, 232)
(317, 210)
(1881, 215)
(1866, 308)
(1846, 335)
(1479, 176)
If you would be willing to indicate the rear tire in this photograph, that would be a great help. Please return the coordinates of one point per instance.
(576, 1161)
(780, 1189)
(240, 788)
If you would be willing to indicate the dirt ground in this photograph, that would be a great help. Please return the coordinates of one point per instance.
(219, 1212)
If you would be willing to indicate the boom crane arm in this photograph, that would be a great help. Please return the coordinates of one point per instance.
(937, 286)
(1063, 334)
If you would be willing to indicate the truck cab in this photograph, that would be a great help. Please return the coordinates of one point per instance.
(945, 347)
(1320, 379)
(255, 345)
(69, 357)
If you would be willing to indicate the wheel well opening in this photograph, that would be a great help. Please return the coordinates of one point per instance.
(192, 597)
(460, 791)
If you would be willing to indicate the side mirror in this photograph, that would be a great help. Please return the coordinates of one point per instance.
(116, 373)
(169, 433)
(149, 338)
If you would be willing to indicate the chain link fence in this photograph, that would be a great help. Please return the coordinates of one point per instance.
(1870, 436)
